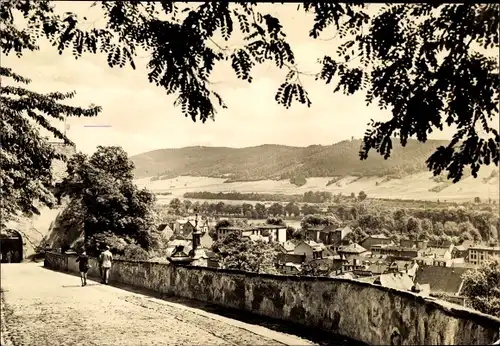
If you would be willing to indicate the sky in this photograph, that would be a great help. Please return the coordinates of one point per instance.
(140, 117)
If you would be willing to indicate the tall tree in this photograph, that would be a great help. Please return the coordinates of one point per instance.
(244, 254)
(276, 209)
(110, 200)
(319, 220)
(292, 209)
(482, 287)
(176, 206)
(261, 210)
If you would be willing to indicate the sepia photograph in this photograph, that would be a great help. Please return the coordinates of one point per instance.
(249, 173)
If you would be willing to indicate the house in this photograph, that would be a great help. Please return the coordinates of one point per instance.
(165, 231)
(462, 250)
(313, 233)
(375, 239)
(439, 252)
(478, 254)
(436, 256)
(335, 237)
(311, 250)
(328, 235)
(290, 258)
(274, 233)
(352, 250)
(203, 226)
(287, 247)
(410, 243)
(183, 227)
(442, 280)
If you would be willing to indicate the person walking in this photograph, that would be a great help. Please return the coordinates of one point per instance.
(83, 266)
(99, 261)
(106, 259)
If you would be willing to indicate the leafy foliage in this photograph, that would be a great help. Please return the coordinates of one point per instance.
(26, 156)
(112, 203)
(243, 254)
(307, 197)
(401, 49)
(275, 221)
(482, 287)
(298, 181)
(318, 220)
(319, 267)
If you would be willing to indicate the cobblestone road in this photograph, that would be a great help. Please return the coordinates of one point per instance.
(42, 307)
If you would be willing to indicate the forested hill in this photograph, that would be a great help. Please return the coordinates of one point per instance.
(279, 161)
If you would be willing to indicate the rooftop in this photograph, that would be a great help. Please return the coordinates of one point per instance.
(485, 248)
(379, 236)
(465, 245)
(353, 248)
(394, 247)
(396, 280)
(288, 245)
(250, 227)
(438, 252)
(441, 279)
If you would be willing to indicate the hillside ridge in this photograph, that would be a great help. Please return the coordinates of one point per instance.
(275, 161)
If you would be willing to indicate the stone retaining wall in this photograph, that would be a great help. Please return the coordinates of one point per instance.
(358, 310)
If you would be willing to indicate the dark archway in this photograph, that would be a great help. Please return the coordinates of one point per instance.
(11, 246)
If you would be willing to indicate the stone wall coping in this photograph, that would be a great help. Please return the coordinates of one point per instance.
(448, 308)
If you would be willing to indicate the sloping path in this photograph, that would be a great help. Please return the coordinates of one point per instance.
(43, 307)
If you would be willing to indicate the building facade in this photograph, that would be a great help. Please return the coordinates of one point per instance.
(479, 254)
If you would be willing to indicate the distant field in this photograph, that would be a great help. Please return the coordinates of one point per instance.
(411, 187)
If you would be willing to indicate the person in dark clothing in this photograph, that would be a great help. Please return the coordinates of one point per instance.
(83, 264)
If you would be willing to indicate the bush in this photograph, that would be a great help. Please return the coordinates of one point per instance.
(134, 252)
